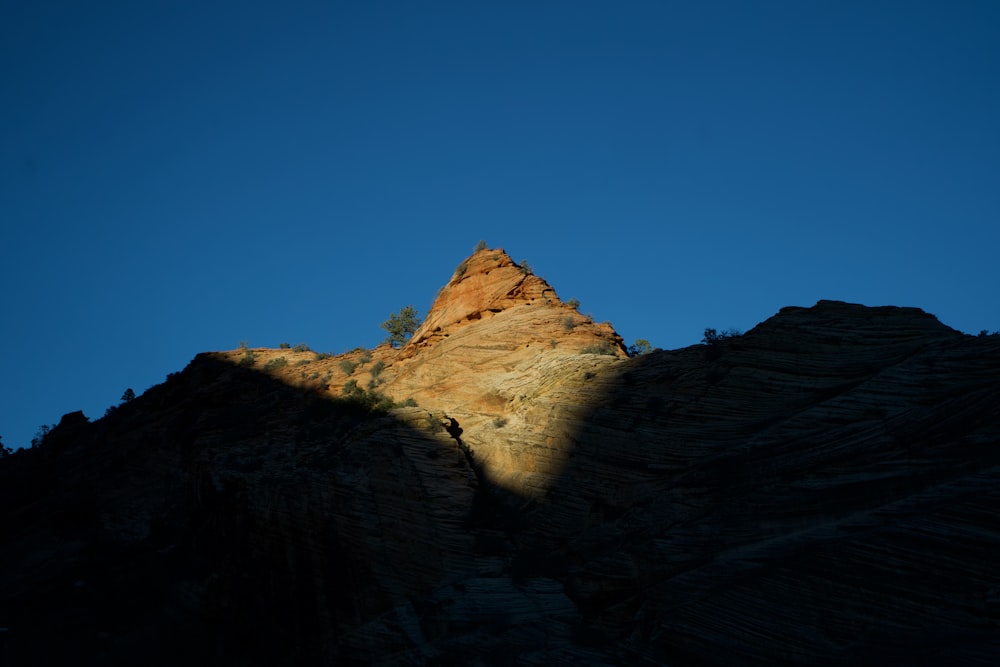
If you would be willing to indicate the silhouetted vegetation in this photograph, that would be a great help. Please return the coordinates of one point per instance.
(480, 246)
(712, 336)
(462, 268)
(984, 333)
(525, 267)
(715, 341)
(639, 347)
(284, 346)
(4, 451)
(40, 435)
(573, 303)
(301, 347)
(401, 326)
(320, 356)
(128, 396)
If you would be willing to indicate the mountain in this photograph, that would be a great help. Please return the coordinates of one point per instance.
(822, 489)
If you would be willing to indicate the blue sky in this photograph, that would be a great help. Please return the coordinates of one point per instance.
(177, 177)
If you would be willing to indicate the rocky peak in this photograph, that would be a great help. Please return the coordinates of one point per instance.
(494, 334)
(487, 283)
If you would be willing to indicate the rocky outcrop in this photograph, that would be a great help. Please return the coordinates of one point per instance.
(819, 490)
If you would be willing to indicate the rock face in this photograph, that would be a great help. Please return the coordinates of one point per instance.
(822, 489)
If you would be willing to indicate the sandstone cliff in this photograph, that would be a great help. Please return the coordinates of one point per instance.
(821, 489)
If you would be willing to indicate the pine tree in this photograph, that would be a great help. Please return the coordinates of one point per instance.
(401, 326)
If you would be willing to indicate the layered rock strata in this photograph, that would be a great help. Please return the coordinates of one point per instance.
(821, 489)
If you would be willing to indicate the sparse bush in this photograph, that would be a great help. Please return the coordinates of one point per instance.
(499, 421)
(41, 435)
(365, 357)
(568, 322)
(370, 399)
(276, 363)
(462, 268)
(603, 347)
(243, 345)
(284, 346)
(409, 403)
(714, 340)
(573, 303)
(401, 326)
(525, 267)
(640, 347)
(347, 366)
(320, 356)
(377, 368)
(712, 336)
(480, 246)
(249, 357)
(301, 347)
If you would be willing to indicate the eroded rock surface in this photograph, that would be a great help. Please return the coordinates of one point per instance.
(820, 490)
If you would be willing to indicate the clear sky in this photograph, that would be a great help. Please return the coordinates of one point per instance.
(177, 177)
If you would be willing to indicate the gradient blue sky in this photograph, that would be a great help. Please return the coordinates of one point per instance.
(177, 176)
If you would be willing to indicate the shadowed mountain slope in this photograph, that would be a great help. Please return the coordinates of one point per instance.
(821, 489)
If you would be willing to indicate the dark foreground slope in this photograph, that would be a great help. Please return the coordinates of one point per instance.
(823, 489)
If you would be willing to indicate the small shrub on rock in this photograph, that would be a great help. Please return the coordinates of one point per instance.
(603, 347)
(640, 347)
(276, 363)
(715, 341)
(249, 358)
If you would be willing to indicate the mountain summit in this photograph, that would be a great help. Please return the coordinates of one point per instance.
(509, 487)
